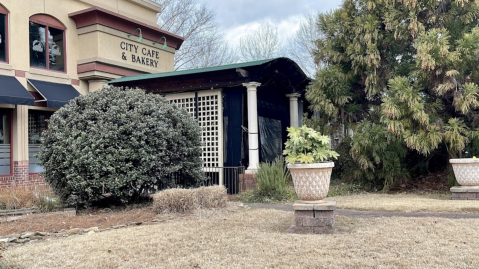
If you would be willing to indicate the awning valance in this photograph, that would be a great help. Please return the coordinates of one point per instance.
(12, 92)
(55, 94)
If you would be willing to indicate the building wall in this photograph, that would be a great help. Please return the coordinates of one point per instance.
(101, 43)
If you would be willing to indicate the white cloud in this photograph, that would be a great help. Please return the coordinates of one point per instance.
(233, 35)
(240, 17)
(286, 29)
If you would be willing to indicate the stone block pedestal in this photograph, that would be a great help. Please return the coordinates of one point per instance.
(465, 193)
(313, 218)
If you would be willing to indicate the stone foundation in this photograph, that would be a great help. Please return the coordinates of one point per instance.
(465, 193)
(313, 218)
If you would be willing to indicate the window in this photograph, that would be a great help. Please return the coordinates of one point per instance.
(37, 123)
(47, 46)
(5, 142)
(3, 34)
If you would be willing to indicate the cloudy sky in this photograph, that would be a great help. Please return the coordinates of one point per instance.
(238, 17)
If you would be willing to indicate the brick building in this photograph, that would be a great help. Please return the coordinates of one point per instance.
(53, 50)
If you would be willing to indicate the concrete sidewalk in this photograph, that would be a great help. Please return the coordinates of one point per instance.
(372, 214)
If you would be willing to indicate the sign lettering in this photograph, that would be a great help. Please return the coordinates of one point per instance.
(143, 56)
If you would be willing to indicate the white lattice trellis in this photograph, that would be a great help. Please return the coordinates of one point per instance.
(209, 117)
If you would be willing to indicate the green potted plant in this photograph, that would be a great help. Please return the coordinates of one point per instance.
(308, 156)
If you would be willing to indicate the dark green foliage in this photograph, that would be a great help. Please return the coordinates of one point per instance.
(379, 154)
(274, 184)
(344, 166)
(272, 178)
(404, 76)
(120, 142)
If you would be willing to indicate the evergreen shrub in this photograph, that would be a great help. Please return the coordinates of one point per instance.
(118, 143)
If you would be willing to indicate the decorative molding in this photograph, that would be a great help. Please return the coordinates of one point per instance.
(48, 20)
(144, 3)
(148, 4)
(95, 75)
(20, 73)
(53, 76)
(106, 68)
(114, 32)
(96, 15)
(75, 82)
(3, 10)
(122, 65)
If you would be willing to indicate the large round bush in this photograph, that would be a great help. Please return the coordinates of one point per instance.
(119, 142)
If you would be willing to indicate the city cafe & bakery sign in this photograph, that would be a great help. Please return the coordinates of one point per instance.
(139, 55)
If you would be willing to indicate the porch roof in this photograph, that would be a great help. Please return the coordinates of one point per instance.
(283, 70)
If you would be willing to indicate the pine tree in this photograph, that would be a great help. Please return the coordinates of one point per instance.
(406, 69)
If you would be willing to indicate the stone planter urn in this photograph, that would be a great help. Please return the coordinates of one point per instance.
(466, 171)
(311, 181)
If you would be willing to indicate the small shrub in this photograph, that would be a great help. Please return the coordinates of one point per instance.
(18, 197)
(211, 197)
(272, 178)
(187, 200)
(47, 202)
(118, 142)
(175, 201)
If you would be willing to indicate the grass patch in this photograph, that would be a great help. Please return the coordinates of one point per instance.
(256, 196)
(339, 188)
(433, 202)
(257, 239)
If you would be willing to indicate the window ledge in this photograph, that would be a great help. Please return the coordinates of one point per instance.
(47, 73)
(5, 66)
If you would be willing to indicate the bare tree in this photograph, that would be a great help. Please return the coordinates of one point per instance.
(302, 46)
(203, 46)
(261, 44)
(216, 53)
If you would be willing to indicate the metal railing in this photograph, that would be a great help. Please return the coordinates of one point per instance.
(230, 177)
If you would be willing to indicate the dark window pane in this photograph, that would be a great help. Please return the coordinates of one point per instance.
(3, 38)
(5, 142)
(56, 49)
(37, 46)
(37, 123)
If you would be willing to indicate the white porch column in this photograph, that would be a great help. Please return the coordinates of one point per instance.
(20, 146)
(253, 138)
(293, 109)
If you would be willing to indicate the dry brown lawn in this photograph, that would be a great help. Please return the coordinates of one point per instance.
(257, 239)
(405, 203)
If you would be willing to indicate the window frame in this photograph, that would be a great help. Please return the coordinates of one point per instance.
(35, 113)
(48, 21)
(5, 12)
(10, 111)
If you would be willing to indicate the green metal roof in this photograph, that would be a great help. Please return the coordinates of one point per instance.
(189, 71)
